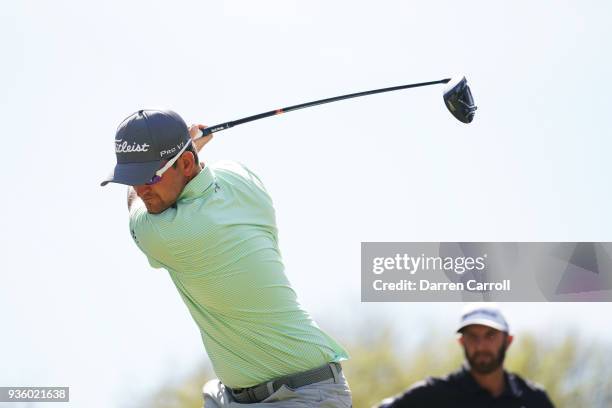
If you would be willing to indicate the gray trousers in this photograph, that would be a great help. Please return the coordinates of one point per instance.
(332, 393)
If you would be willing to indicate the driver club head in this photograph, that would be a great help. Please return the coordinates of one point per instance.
(458, 99)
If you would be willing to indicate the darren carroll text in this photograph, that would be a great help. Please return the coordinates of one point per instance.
(425, 285)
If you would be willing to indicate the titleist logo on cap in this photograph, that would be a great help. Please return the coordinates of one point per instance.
(122, 146)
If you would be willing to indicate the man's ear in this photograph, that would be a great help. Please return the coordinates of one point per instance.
(188, 163)
(509, 339)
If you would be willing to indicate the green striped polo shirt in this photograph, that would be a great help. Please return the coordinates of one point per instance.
(219, 244)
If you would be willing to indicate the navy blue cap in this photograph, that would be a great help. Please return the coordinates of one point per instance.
(143, 141)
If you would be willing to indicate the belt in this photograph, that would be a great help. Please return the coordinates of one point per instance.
(258, 393)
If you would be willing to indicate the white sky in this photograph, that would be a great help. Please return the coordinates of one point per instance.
(78, 303)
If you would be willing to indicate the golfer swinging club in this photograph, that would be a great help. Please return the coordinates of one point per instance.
(213, 228)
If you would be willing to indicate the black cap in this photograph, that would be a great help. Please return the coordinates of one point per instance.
(143, 140)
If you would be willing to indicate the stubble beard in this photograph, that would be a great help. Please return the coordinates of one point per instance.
(490, 364)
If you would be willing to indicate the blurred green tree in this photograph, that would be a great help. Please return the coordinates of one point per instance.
(574, 373)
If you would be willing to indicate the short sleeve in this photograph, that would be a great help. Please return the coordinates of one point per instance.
(144, 233)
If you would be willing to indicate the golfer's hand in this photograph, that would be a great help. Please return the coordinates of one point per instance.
(194, 132)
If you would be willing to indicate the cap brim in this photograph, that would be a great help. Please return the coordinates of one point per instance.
(483, 322)
(132, 174)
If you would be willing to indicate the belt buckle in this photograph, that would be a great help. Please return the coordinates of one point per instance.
(245, 395)
(238, 394)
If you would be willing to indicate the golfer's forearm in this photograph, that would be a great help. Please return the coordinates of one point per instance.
(195, 131)
(199, 143)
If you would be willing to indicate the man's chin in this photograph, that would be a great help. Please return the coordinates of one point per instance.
(485, 368)
(486, 365)
(153, 209)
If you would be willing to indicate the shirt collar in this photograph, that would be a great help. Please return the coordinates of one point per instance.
(199, 185)
(468, 382)
(511, 389)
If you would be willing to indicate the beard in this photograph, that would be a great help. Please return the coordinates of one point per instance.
(485, 362)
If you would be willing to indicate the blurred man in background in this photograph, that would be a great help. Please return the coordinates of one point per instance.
(213, 228)
(482, 381)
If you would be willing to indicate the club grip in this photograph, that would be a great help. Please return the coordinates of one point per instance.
(204, 132)
(213, 129)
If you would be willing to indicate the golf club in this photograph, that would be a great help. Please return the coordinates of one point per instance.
(457, 98)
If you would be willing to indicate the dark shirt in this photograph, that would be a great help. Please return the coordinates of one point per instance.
(460, 390)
